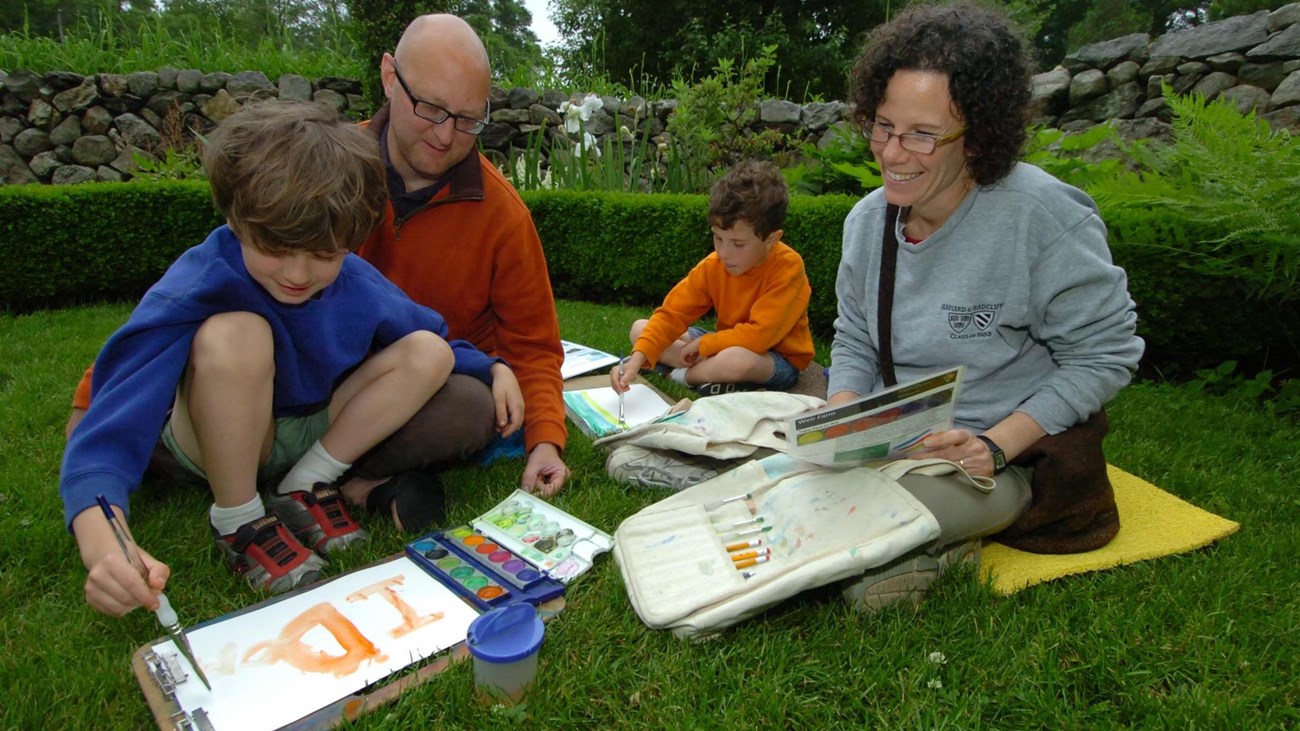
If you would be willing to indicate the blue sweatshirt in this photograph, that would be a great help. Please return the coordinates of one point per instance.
(316, 343)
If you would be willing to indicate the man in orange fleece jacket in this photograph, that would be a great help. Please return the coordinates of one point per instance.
(456, 237)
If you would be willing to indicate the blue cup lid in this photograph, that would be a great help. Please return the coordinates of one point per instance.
(508, 634)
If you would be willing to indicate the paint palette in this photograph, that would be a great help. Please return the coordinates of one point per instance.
(550, 539)
(524, 549)
(480, 570)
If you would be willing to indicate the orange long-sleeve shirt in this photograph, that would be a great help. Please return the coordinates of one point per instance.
(473, 254)
(766, 308)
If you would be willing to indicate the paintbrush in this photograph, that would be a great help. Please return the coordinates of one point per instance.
(621, 421)
(714, 505)
(165, 614)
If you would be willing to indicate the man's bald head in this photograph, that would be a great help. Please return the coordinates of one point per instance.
(446, 41)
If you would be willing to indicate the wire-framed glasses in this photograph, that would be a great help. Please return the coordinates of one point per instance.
(922, 143)
(431, 112)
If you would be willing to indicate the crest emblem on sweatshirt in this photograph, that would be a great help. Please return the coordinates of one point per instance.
(971, 321)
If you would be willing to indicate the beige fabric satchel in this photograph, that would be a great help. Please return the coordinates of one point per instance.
(812, 526)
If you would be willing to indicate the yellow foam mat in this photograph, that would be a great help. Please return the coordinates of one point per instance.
(1153, 523)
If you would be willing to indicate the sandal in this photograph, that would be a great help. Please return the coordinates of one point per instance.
(717, 389)
(413, 500)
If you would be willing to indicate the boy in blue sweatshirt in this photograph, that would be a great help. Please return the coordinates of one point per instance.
(268, 347)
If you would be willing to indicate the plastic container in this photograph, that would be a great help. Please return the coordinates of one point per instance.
(504, 643)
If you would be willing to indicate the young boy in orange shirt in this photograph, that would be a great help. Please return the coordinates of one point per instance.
(753, 281)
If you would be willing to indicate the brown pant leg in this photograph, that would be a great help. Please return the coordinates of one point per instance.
(455, 423)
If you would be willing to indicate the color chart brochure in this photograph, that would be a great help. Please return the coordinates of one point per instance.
(881, 426)
(579, 359)
(281, 660)
(595, 410)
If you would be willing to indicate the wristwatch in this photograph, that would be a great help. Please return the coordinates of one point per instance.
(999, 457)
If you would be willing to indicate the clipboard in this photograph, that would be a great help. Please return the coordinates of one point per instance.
(159, 673)
(601, 381)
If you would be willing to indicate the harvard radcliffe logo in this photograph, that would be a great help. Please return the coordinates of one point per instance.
(975, 321)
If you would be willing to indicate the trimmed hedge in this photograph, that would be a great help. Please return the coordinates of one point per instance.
(65, 245)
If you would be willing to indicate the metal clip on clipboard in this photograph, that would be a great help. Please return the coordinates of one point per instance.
(164, 671)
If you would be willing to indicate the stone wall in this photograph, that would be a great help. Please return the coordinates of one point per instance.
(1251, 60)
(60, 127)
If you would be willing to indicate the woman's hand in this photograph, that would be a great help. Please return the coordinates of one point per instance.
(960, 446)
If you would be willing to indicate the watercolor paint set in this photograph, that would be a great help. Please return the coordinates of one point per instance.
(523, 549)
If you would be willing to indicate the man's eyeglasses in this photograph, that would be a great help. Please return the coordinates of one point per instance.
(922, 143)
(433, 113)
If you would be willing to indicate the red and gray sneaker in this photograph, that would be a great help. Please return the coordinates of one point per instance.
(318, 518)
(267, 555)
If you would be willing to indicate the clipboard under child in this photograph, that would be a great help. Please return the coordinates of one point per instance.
(342, 645)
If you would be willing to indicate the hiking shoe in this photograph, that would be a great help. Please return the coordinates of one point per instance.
(717, 389)
(318, 518)
(662, 468)
(905, 579)
(267, 555)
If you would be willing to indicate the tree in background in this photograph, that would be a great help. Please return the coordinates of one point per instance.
(53, 17)
(627, 40)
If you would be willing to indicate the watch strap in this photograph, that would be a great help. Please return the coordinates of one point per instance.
(999, 457)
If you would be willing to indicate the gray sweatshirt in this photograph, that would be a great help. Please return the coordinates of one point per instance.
(1017, 285)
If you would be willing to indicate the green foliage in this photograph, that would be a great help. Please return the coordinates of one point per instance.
(1107, 19)
(1062, 155)
(816, 40)
(109, 45)
(713, 121)
(842, 165)
(96, 240)
(1220, 9)
(1219, 198)
(1277, 397)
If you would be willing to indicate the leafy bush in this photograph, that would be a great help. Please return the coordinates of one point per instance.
(66, 244)
(714, 119)
(1219, 199)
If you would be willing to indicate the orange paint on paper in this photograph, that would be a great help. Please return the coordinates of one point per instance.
(290, 648)
(411, 621)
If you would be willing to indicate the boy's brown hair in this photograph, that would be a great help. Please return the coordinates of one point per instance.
(293, 176)
(751, 191)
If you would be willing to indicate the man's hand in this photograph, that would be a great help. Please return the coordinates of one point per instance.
(545, 472)
(508, 398)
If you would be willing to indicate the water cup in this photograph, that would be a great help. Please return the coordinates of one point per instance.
(504, 643)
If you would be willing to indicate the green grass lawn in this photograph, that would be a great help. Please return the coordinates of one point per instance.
(1207, 639)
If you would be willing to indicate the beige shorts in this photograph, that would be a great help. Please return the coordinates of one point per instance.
(294, 435)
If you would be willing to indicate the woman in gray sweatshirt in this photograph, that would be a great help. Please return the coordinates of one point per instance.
(997, 266)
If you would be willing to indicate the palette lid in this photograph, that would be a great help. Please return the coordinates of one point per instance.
(514, 522)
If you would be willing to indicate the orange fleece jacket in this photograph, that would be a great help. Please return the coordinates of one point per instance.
(473, 254)
(766, 308)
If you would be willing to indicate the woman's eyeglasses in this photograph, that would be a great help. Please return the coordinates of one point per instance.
(922, 143)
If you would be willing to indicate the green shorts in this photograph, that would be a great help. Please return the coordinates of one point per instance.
(294, 435)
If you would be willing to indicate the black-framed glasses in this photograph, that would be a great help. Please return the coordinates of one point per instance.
(922, 143)
(431, 112)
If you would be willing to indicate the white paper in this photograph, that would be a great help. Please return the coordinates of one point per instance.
(598, 407)
(579, 359)
(273, 665)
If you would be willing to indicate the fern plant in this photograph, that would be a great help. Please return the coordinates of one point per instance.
(1220, 195)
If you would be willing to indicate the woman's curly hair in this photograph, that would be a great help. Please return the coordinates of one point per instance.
(989, 76)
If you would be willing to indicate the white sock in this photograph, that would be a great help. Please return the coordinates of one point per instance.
(228, 520)
(315, 466)
(679, 375)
